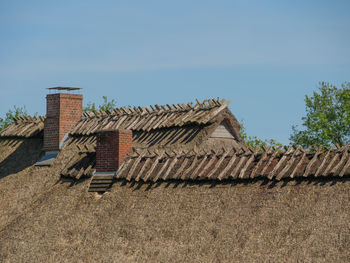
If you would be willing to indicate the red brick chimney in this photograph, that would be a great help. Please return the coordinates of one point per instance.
(63, 111)
(111, 149)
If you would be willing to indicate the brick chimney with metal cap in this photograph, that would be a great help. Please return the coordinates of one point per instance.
(63, 111)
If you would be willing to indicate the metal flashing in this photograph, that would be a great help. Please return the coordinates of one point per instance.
(47, 159)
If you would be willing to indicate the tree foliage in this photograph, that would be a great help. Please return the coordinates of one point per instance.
(105, 106)
(327, 120)
(11, 114)
(254, 141)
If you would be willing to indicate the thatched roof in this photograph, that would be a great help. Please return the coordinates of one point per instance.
(173, 126)
(78, 157)
(45, 220)
(16, 154)
(170, 143)
(176, 126)
(228, 164)
(24, 126)
(213, 205)
(145, 119)
(201, 163)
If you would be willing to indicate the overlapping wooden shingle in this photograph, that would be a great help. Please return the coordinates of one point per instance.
(228, 164)
(24, 127)
(145, 119)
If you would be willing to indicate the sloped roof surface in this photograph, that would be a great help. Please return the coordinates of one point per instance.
(228, 164)
(24, 126)
(80, 157)
(44, 220)
(145, 119)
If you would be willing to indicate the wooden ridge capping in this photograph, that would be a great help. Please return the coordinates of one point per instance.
(281, 162)
(284, 172)
(133, 167)
(140, 173)
(313, 160)
(24, 126)
(150, 171)
(199, 164)
(341, 151)
(259, 164)
(243, 173)
(347, 164)
(217, 165)
(319, 169)
(301, 161)
(270, 159)
(157, 116)
(29, 118)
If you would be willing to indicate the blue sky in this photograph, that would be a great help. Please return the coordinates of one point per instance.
(262, 55)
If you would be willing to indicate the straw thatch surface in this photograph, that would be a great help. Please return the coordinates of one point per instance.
(175, 136)
(78, 157)
(24, 126)
(209, 164)
(178, 126)
(144, 119)
(215, 205)
(290, 221)
(17, 154)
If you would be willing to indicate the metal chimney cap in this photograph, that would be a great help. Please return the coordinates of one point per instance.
(64, 88)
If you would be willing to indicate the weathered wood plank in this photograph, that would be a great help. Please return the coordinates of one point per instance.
(148, 160)
(346, 166)
(250, 160)
(289, 164)
(208, 165)
(217, 165)
(189, 169)
(123, 167)
(227, 168)
(99, 185)
(171, 165)
(313, 160)
(258, 166)
(181, 168)
(299, 164)
(154, 179)
(133, 167)
(341, 162)
(270, 159)
(280, 163)
(325, 158)
(194, 174)
(100, 181)
(236, 170)
(150, 171)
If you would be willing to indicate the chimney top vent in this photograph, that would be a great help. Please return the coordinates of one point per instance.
(64, 88)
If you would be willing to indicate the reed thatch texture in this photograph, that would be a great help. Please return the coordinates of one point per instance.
(78, 157)
(204, 164)
(144, 119)
(24, 126)
(198, 205)
(17, 154)
(165, 126)
(289, 221)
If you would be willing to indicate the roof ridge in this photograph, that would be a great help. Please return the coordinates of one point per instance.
(207, 104)
(24, 118)
(272, 164)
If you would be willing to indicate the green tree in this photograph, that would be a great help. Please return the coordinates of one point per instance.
(254, 141)
(105, 106)
(11, 115)
(327, 120)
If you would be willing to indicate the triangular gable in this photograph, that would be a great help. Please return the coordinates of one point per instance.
(223, 131)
